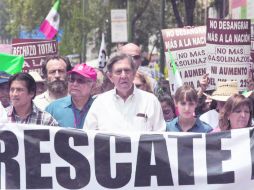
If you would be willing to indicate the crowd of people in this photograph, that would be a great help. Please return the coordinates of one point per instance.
(124, 98)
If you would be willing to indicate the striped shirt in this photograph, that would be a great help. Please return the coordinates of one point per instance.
(35, 117)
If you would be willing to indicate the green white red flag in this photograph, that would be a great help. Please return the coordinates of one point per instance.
(50, 25)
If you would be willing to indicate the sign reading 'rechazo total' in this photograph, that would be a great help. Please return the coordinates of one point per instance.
(43, 157)
(34, 51)
(228, 51)
(187, 46)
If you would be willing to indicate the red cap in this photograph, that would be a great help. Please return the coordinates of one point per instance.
(85, 71)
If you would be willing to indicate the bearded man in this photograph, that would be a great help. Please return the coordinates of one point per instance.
(54, 70)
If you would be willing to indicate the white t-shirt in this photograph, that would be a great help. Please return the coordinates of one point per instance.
(43, 100)
(3, 114)
(210, 117)
(140, 112)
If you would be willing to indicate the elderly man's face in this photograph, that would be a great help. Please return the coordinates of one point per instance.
(4, 94)
(122, 76)
(79, 86)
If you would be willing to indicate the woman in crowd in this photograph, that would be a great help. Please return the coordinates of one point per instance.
(236, 113)
(186, 99)
(168, 107)
(141, 82)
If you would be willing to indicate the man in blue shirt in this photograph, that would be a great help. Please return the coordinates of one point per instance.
(71, 110)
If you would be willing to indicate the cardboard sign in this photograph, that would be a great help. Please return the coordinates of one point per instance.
(34, 51)
(228, 51)
(188, 47)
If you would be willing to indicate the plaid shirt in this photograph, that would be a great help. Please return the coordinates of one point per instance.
(35, 117)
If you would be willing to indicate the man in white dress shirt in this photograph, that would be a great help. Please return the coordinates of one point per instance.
(125, 108)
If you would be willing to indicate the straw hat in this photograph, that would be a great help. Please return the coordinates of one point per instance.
(36, 76)
(224, 90)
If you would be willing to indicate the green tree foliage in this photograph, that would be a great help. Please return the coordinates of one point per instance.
(83, 23)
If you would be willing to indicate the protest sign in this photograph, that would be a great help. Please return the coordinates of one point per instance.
(228, 51)
(252, 43)
(188, 49)
(43, 157)
(34, 52)
(243, 9)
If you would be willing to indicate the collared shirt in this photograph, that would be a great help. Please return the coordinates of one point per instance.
(43, 100)
(64, 111)
(198, 127)
(141, 111)
(35, 117)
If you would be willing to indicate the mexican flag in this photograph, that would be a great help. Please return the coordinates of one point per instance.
(11, 64)
(50, 25)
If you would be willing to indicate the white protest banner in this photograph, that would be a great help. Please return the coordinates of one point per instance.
(188, 49)
(228, 51)
(43, 157)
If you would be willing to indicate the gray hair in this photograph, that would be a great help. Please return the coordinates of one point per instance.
(115, 57)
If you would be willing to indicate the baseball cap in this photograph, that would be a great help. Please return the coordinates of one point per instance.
(4, 77)
(85, 71)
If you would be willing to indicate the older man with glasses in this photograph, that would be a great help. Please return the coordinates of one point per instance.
(125, 108)
(71, 111)
(134, 51)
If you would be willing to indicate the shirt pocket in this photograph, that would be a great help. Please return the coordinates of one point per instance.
(141, 122)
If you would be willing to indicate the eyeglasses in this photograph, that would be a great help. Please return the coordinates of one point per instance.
(72, 79)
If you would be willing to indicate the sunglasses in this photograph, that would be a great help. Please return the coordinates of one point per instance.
(72, 79)
(136, 57)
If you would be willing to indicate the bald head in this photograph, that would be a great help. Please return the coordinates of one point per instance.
(134, 51)
(131, 49)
